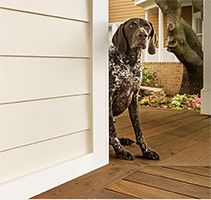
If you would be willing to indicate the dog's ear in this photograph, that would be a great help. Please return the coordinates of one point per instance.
(151, 46)
(119, 40)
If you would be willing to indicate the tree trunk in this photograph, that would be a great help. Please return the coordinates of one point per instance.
(183, 42)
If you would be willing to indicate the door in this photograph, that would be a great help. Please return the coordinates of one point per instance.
(53, 93)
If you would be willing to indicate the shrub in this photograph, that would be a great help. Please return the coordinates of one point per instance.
(149, 77)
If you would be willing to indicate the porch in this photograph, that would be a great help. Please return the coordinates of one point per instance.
(182, 138)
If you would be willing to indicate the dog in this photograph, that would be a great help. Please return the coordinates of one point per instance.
(124, 82)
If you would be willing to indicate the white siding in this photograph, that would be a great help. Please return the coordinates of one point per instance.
(53, 93)
(35, 121)
(45, 84)
(70, 9)
(28, 34)
(27, 78)
(25, 160)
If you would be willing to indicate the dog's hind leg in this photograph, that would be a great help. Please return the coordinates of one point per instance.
(124, 141)
(120, 152)
(134, 116)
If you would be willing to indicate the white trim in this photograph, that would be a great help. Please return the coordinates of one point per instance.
(32, 184)
(206, 99)
(147, 4)
(154, 5)
(146, 14)
(139, 2)
(100, 81)
(186, 3)
(206, 91)
(160, 34)
(195, 16)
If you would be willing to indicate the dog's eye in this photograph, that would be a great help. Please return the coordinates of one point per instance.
(133, 25)
(146, 27)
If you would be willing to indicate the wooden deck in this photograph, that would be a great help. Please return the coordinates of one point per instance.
(182, 138)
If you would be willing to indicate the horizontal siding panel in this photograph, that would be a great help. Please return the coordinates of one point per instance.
(36, 35)
(122, 10)
(34, 78)
(29, 122)
(22, 161)
(72, 9)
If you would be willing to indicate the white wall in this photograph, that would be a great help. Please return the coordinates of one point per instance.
(46, 91)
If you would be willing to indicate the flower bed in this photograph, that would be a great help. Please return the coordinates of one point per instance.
(178, 102)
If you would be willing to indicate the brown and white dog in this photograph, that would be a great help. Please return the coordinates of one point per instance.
(125, 76)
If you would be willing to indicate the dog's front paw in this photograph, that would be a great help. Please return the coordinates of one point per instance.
(124, 155)
(150, 155)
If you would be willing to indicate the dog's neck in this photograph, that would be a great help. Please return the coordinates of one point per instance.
(130, 59)
(132, 56)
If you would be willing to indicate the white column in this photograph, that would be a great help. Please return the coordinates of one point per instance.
(206, 91)
(146, 16)
(160, 35)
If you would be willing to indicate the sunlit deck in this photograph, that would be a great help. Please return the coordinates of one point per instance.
(182, 138)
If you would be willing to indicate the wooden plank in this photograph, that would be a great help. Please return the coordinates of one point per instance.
(74, 9)
(191, 155)
(34, 121)
(200, 170)
(171, 185)
(206, 161)
(31, 158)
(189, 129)
(142, 191)
(147, 115)
(164, 124)
(36, 78)
(90, 184)
(25, 34)
(171, 123)
(179, 144)
(108, 194)
(178, 175)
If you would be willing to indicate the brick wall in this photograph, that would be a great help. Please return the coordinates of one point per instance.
(169, 75)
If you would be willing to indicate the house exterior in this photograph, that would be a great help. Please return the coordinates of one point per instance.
(53, 93)
(202, 29)
(120, 11)
(168, 79)
(163, 61)
(154, 14)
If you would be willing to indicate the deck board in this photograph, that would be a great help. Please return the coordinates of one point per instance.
(178, 175)
(143, 191)
(182, 138)
(190, 190)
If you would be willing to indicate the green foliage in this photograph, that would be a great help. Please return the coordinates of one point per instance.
(178, 102)
(155, 99)
(149, 77)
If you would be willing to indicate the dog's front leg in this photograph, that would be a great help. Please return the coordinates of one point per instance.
(120, 152)
(134, 116)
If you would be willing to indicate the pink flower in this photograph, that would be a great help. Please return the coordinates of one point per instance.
(197, 100)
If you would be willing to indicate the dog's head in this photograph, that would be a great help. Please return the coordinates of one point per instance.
(134, 33)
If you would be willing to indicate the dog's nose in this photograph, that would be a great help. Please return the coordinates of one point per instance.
(142, 34)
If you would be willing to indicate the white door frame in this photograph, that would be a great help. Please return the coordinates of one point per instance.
(38, 182)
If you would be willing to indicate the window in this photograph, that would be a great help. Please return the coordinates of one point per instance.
(197, 25)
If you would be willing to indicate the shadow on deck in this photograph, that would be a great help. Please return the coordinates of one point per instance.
(182, 139)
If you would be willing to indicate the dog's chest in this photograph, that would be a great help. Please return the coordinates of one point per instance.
(122, 76)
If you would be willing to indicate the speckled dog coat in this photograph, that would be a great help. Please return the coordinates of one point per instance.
(125, 76)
